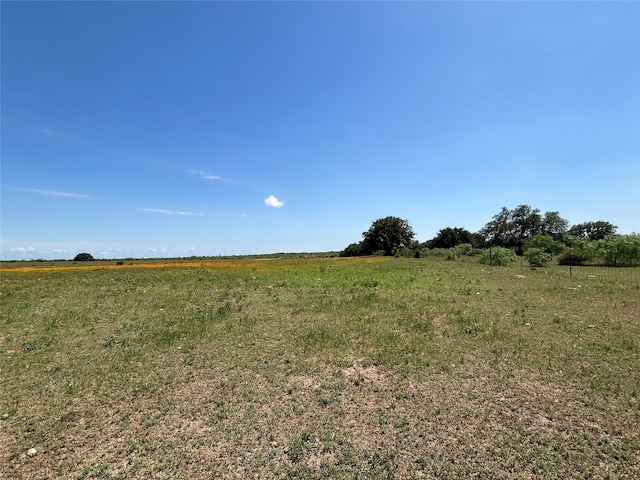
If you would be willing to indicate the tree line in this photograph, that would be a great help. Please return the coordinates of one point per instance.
(522, 231)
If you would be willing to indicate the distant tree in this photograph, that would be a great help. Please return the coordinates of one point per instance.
(353, 250)
(511, 228)
(478, 240)
(554, 225)
(498, 230)
(593, 230)
(449, 238)
(388, 235)
(83, 257)
(527, 222)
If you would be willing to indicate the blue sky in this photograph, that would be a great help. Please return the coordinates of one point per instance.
(145, 129)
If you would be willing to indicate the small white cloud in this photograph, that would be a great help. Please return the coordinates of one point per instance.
(272, 201)
(163, 211)
(54, 193)
(211, 177)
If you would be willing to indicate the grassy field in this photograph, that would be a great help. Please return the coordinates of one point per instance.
(318, 368)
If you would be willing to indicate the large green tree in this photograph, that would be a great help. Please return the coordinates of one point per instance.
(388, 234)
(593, 230)
(511, 228)
(450, 237)
(554, 225)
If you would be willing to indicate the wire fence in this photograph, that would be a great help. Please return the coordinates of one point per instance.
(602, 271)
(626, 274)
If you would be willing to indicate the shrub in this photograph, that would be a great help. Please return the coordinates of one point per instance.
(498, 256)
(616, 250)
(451, 254)
(464, 249)
(537, 257)
(438, 252)
(545, 243)
(408, 252)
(580, 251)
(573, 257)
(83, 257)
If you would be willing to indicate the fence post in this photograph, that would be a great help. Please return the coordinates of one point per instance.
(570, 263)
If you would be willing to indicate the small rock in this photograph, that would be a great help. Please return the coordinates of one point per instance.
(31, 452)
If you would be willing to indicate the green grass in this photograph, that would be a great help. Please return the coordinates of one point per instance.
(320, 368)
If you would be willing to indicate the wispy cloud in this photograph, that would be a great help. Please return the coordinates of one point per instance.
(162, 211)
(246, 215)
(272, 201)
(54, 193)
(11, 249)
(22, 250)
(204, 175)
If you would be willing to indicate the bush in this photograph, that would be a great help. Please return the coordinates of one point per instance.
(464, 249)
(408, 252)
(545, 243)
(451, 254)
(498, 256)
(616, 250)
(537, 257)
(83, 257)
(573, 257)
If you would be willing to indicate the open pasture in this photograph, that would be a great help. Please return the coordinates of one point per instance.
(318, 368)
